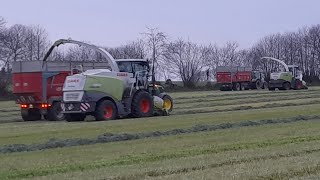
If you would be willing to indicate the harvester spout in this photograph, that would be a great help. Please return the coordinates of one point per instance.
(103, 52)
(279, 61)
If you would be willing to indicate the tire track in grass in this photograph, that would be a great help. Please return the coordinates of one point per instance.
(157, 173)
(109, 137)
(134, 159)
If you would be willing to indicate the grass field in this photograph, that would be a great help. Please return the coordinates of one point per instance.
(209, 135)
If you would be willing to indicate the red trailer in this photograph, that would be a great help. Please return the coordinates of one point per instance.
(239, 78)
(37, 86)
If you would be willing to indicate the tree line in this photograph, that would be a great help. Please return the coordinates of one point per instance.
(173, 59)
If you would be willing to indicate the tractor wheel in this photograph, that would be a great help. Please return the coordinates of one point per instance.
(168, 103)
(243, 87)
(55, 112)
(30, 114)
(236, 87)
(258, 84)
(286, 86)
(265, 85)
(298, 85)
(106, 110)
(75, 117)
(142, 105)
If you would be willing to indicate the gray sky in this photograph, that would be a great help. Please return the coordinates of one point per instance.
(115, 22)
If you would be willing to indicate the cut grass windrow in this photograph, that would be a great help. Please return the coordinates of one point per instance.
(291, 173)
(240, 108)
(159, 173)
(109, 137)
(242, 93)
(243, 97)
(241, 101)
(139, 159)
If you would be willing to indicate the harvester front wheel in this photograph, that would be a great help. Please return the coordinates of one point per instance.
(168, 103)
(105, 110)
(142, 105)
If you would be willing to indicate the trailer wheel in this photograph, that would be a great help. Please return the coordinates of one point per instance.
(55, 112)
(75, 117)
(106, 110)
(265, 85)
(142, 105)
(236, 87)
(30, 114)
(243, 87)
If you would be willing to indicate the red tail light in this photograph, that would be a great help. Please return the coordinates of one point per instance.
(23, 105)
(45, 105)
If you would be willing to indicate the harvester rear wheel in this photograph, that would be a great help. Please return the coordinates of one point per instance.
(55, 112)
(105, 110)
(168, 103)
(142, 105)
(30, 114)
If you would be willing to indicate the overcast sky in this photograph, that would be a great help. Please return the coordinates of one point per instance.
(115, 22)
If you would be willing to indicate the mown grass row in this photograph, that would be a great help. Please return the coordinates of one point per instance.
(245, 96)
(147, 158)
(276, 156)
(209, 103)
(109, 137)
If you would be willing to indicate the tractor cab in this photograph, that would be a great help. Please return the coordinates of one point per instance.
(296, 73)
(133, 65)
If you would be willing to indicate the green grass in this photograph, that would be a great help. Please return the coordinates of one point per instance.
(273, 151)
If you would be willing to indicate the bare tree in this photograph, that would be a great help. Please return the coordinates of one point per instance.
(186, 60)
(156, 42)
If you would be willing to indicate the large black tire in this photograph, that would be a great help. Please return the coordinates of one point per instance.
(55, 112)
(30, 114)
(286, 86)
(168, 102)
(106, 110)
(298, 85)
(265, 85)
(258, 84)
(236, 87)
(243, 86)
(142, 105)
(75, 117)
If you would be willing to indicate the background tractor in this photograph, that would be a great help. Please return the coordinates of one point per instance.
(290, 78)
(122, 90)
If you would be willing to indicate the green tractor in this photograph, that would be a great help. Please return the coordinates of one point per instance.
(122, 90)
(290, 78)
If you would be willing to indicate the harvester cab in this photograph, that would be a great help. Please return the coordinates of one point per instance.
(107, 94)
(289, 78)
